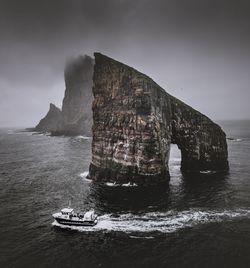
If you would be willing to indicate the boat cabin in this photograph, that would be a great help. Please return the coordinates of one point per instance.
(67, 211)
(89, 216)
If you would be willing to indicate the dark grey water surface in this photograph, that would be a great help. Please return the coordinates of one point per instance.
(197, 221)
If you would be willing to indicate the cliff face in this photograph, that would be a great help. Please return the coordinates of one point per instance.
(76, 115)
(134, 123)
(77, 102)
(52, 121)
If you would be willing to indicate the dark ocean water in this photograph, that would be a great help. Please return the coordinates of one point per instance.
(197, 221)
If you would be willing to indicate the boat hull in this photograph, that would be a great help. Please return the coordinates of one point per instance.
(76, 222)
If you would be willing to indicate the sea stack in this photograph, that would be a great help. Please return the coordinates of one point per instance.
(76, 115)
(77, 102)
(52, 121)
(134, 123)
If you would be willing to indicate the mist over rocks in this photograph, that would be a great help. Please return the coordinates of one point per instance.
(76, 115)
(77, 102)
(134, 123)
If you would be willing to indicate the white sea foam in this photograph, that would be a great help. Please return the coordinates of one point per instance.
(235, 139)
(80, 137)
(208, 172)
(39, 134)
(113, 184)
(84, 176)
(164, 222)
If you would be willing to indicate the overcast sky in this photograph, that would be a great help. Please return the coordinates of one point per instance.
(198, 50)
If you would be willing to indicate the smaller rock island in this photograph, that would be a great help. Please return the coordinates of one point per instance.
(75, 118)
(52, 121)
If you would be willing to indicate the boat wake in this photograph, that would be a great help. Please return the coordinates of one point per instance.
(164, 222)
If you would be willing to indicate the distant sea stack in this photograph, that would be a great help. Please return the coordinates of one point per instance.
(134, 123)
(52, 121)
(76, 114)
(77, 102)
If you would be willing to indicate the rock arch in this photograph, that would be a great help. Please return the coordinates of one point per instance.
(134, 123)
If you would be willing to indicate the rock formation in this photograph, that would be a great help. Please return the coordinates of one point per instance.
(76, 115)
(134, 123)
(77, 102)
(52, 121)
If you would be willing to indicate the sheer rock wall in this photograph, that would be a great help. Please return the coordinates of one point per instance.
(134, 123)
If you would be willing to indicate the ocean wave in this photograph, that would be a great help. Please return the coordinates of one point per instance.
(141, 237)
(22, 132)
(163, 222)
(234, 139)
(110, 184)
(41, 134)
(80, 137)
(208, 172)
(84, 176)
(113, 184)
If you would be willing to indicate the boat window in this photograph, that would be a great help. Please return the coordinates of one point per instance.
(64, 213)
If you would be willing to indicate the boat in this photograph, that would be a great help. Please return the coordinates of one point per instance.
(67, 216)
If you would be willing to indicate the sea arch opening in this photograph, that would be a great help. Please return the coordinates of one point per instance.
(174, 162)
